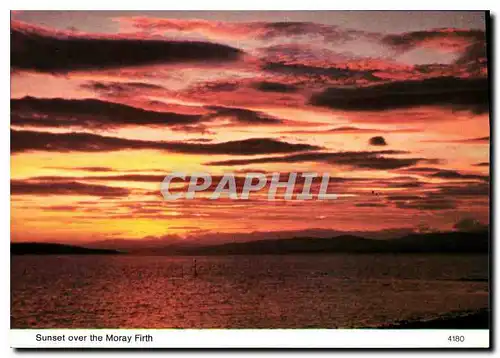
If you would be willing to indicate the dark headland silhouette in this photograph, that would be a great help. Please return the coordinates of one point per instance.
(442, 243)
(38, 248)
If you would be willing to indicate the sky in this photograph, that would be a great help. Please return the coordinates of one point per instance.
(104, 104)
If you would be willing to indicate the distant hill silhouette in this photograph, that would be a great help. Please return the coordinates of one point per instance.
(449, 242)
(36, 248)
(218, 238)
(442, 243)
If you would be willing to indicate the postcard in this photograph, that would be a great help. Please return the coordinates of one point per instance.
(250, 179)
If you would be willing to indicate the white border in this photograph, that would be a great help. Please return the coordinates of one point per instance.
(251, 338)
(187, 5)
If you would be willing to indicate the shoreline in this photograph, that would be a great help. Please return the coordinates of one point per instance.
(478, 319)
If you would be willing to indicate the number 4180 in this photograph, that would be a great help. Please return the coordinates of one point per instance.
(456, 339)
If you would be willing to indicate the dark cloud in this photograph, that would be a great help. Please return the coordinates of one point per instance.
(370, 205)
(482, 164)
(450, 39)
(201, 140)
(445, 173)
(99, 114)
(350, 129)
(86, 169)
(408, 184)
(275, 87)
(89, 113)
(241, 115)
(477, 140)
(362, 159)
(61, 208)
(453, 92)
(378, 141)
(427, 204)
(221, 86)
(27, 187)
(259, 30)
(421, 170)
(321, 73)
(429, 201)
(469, 225)
(485, 140)
(403, 197)
(32, 50)
(294, 28)
(119, 88)
(145, 178)
(467, 190)
(452, 174)
(474, 56)
(26, 141)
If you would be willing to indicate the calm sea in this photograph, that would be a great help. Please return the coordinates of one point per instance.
(289, 291)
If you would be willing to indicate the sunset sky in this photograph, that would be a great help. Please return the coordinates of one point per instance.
(393, 105)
